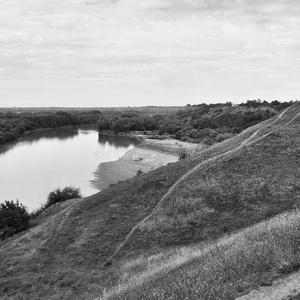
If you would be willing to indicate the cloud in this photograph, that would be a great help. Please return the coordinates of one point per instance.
(160, 50)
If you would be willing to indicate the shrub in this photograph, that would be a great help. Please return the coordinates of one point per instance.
(14, 218)
(182, 154)
(59, 195)
(139, 172)
(37, 211)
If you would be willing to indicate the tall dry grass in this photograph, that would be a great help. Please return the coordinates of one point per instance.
(222, 270)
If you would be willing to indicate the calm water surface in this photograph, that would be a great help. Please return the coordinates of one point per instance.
(43, 160)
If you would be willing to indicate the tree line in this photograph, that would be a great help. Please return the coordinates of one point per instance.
(201, 123)
(14, 125)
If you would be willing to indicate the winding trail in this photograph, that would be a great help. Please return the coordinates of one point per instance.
(65, 214)
(186, 175)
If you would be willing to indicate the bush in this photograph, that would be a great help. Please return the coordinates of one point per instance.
(139, 172)
(37, 211)
(14, 218)
(182, 154)
(59, 195)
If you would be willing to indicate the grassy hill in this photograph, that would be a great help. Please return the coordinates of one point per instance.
(183, 231)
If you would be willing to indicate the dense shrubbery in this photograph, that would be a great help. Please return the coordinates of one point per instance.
(14, 218)
(118, 122)
(60, 195)
(205, 123)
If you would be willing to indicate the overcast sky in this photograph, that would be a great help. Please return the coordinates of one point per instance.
(147, 52)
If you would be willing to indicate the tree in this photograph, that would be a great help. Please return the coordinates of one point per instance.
(14, 218)
(182, 154)
(59, 195)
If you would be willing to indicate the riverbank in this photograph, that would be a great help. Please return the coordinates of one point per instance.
(171, 146)
(147, 156)
(47, 159)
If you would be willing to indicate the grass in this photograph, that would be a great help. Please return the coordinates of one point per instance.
(76, 241)
(64, 255)
(221, 270)
(229, 193)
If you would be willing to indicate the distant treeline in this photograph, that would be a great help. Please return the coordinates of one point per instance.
(201, 123)
(14, 125)
(205, 123)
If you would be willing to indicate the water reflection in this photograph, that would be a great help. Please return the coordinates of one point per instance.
(117, 140)
(46, 159)
(53, 133)
(37, 135)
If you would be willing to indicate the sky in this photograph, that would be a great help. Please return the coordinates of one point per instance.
(148, 52)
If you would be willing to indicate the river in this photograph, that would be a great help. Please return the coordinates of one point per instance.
(43, 160)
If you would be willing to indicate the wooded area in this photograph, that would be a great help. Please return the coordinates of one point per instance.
(14, 125)
(201, 123)
(205, 123)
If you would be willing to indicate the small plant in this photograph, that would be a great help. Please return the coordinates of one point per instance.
(182, 154)
(14, 218)
(37, 211)
(139, 172)
(59, 195)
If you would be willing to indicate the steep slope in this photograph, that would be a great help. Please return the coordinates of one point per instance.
(225, 187)
(231, 187)
(258, 256)
(252, 182)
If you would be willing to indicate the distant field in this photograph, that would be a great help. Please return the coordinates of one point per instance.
(143, 109)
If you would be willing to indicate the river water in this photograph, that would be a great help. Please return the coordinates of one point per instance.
(43, 160)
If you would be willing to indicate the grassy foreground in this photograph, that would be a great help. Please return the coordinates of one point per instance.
(175, 232)
(222, 270)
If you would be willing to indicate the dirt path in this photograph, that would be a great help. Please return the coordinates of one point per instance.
(282, 289)
(186, 175)
(64, 217)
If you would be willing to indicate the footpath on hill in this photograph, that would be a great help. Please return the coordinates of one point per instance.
(285, 288)
(197, 167)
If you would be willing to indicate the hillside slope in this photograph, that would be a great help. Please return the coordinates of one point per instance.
(77, 252)
(234, 188)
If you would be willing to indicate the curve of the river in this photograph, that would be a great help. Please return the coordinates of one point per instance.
(43, 160)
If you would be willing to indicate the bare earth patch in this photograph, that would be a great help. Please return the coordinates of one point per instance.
(285, 288)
